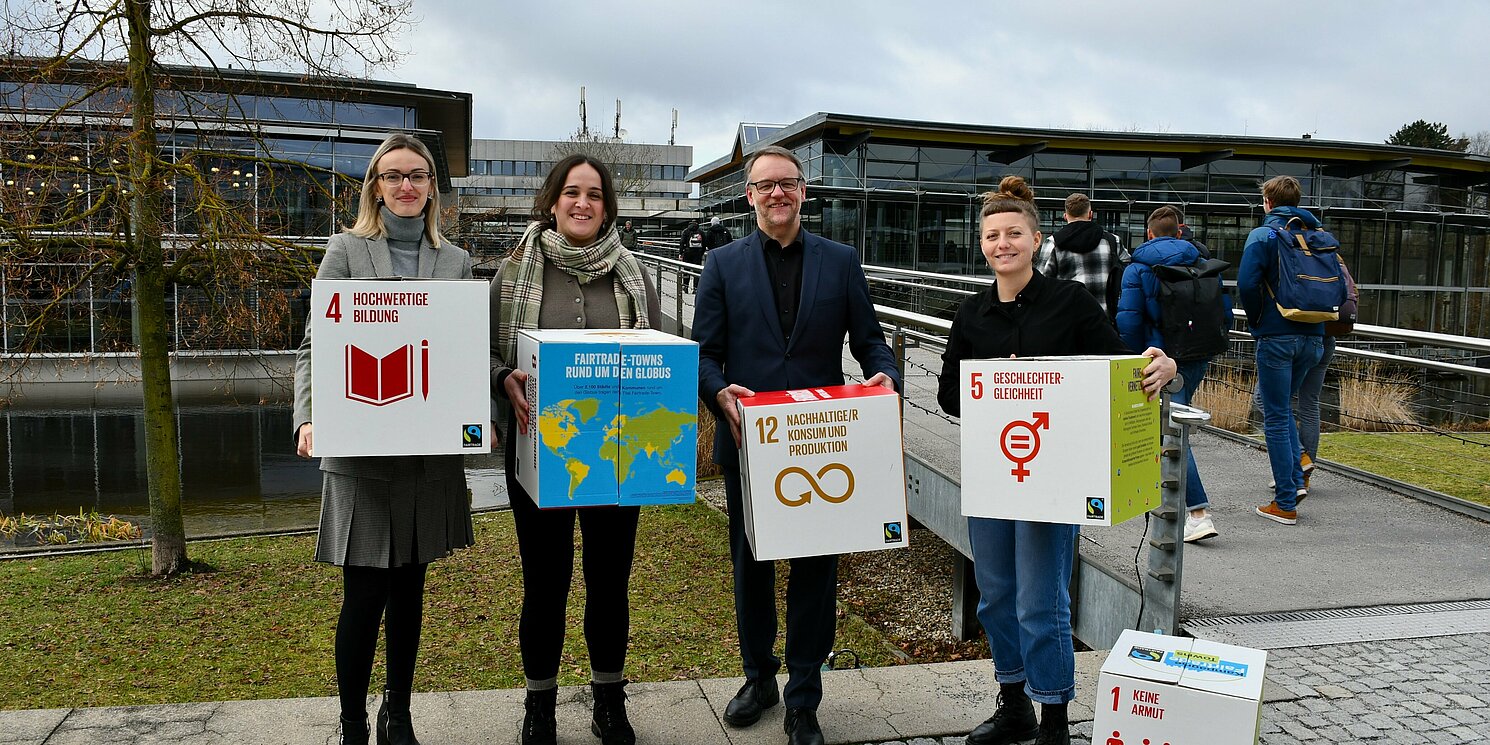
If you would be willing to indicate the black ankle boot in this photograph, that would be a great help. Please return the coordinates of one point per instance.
(1013, 721)
(395, 724)
(353, 731)
(539, 725)
(1054, 728)
(610, 723)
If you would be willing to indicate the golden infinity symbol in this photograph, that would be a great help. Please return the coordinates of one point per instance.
(806, 496)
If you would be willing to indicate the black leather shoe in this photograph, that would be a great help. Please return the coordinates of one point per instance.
(539, 726)
(757, 695)
(801, 727)
(1013, 721)
(609, 722)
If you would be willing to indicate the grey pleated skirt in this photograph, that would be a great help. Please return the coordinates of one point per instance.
(410, 519)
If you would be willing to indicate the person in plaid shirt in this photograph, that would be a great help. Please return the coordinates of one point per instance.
(1081, 250)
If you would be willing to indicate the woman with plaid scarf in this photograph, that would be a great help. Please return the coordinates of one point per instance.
(569, 271)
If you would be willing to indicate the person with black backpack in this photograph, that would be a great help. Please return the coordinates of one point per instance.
(691, 250)
(1290, 283)
(1173, 298)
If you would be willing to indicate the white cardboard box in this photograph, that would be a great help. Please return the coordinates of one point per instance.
(400, 367)
(1058, 439)
(1172, 690)
(614, 417)
(823, 471)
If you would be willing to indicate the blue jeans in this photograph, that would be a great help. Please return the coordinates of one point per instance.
(1282, 363)
(1023, 571)
(1193, 372)
(1307, 407)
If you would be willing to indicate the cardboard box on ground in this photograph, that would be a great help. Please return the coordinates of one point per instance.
(1171, 690)
(391, 365)
(823, 471)
(1058, 439)
(614, 417)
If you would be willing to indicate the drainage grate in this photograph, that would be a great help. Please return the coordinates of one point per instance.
(1317, 628)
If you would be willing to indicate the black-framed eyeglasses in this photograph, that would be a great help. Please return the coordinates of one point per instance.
(787, 185)
(394, 178)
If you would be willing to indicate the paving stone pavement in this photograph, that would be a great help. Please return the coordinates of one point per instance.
(1404, 692)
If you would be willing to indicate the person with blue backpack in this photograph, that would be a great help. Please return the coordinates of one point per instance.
(1173, 298)
(1290, 283)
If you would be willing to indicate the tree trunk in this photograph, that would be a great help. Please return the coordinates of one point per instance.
(146, 196)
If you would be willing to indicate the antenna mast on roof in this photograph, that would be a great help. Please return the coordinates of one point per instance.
(618, 119)
(584, 127)
(672, 139)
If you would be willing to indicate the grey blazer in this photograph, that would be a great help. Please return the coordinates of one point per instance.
(349, 256)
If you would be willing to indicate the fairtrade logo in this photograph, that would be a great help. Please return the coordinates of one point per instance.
(1146, 654)
(383, 380)
(892, 533)
(470, 435)
(1020, 442)
(1096, 508)
(814, 485)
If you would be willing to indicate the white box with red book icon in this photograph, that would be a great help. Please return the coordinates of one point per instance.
(1174, 690)
(1059, 439)
(823, 471)
(400, 367)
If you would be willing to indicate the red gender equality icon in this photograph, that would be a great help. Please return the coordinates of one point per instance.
(1020, 442)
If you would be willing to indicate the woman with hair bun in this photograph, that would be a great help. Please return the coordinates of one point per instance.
(1023, 569)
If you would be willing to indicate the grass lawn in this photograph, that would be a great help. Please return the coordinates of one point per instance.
(93, 631)
(1432, 461)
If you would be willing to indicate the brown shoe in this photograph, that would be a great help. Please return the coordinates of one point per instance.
(1277, 514)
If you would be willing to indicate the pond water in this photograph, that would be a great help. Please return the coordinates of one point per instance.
(239, 471)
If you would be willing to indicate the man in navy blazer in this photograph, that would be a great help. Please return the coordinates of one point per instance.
(771, 313)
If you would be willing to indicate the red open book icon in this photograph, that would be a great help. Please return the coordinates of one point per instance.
(380, 381)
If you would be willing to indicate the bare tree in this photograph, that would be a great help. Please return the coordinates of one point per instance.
(105, 205)
(631, 163)
(1478, 142)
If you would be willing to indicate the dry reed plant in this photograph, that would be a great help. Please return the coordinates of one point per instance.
(706, 467)
(1226, 393)
(1373, 399)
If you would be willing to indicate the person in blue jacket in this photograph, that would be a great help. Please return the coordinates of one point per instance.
(1138, 322)
(1286, 350)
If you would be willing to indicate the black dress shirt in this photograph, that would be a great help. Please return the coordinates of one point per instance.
(1049, 317)
(784, 268)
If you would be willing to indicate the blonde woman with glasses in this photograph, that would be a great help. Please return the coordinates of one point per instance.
(384, 519)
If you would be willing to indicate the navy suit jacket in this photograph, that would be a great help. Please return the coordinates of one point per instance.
(739, 335)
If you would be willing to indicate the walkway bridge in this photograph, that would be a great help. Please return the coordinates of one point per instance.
(1371, 558)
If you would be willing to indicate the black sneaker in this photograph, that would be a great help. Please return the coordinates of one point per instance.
(1013, 721)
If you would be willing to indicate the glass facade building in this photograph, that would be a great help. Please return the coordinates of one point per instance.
(284, 155)
(1414, 223)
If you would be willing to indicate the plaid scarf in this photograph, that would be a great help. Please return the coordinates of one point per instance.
(522, 280)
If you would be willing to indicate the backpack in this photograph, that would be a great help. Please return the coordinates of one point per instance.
(696, 241)
(1349, 310)
(1192, 311)
(1310, 283)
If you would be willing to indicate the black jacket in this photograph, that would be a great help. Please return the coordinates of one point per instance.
(1050, 317)
(716, 236)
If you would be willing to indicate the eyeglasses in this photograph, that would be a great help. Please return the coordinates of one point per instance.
(787, 185)
(394, 178)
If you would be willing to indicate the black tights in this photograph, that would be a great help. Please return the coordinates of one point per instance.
(366, 592)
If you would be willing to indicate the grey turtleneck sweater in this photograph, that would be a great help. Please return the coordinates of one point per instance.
(405, 236)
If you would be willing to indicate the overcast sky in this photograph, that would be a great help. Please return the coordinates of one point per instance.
(1339, 70)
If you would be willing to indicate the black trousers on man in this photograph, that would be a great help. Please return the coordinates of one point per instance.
(811, 609)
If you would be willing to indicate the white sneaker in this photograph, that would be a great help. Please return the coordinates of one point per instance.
(1199, 529)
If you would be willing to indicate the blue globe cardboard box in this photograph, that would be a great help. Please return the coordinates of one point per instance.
(614, 417)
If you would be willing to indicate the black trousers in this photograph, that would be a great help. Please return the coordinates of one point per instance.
(545, 541)
(371, 597)
(811, 609)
